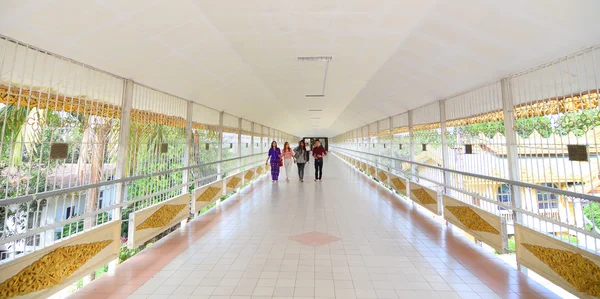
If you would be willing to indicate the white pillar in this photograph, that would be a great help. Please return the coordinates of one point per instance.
(446, 178)
(411, 141)
(393, 162)
(514, 171)
(123, 147)
(188, 147)
(239, 147)
(220, 154)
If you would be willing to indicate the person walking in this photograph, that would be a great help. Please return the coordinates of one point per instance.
(275, 157)
(288, 160)
(301, 155)
(318, 153)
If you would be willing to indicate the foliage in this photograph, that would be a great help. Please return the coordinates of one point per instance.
(512, 247)
(592, 212)
(101, 271)
(76, 227)
(578, 123)
(206, 208)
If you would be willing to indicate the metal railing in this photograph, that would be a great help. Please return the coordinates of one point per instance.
(39, 230)
(565, 221)
(81, 147)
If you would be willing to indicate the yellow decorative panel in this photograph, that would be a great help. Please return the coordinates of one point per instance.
(398, 184)
(147, 223)
(51, 269)
(483, 225)
(233, 182)
(206, 195)
(163, 216)
(249, 175)
(425, 197)
(47, 271)
(472, 220)
(372, 171)
(209, 194)
(383, 177)
(260, 170)
(572, 268)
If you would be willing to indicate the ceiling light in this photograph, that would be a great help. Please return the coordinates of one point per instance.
(315, 118)
(315, 110)
(315, 95)
(315, 58)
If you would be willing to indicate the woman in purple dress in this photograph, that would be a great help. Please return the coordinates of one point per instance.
(275, 156)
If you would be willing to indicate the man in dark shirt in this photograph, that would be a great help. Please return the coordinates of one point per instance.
(318, 153)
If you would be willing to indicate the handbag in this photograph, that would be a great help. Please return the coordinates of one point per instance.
(281, 163)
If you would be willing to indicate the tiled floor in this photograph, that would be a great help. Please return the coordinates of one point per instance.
(343, 238)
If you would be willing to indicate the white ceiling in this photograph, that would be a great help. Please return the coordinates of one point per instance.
(240, 56)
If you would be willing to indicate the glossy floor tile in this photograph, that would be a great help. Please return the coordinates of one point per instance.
(345, 237)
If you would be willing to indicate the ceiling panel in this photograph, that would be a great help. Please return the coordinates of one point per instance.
(241, 56)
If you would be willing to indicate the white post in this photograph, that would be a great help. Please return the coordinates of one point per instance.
(377, 149)
(445, 177)
(122, 155)
(220, 154)
(253, 159)
(411, 154)
(391, 126)
(188, 147)
(123, 147)
(239, 147)
(411, 141)
(511, 151)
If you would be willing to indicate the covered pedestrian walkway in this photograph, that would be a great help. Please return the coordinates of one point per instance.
(347, 237)
(463, 141)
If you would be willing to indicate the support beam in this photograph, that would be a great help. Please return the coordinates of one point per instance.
(514, 172)
(411, 140)
(220, 153)
(391, 126)
(446, 177)
(123, 147)
(188, 146)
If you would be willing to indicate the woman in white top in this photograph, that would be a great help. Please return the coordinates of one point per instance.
(288, 159)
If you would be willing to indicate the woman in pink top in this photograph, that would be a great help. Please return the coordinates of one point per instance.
(288, 160)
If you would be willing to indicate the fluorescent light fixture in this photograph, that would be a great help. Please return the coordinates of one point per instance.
(315, 118)
(315, 58)
(315, 110)
(315, 95)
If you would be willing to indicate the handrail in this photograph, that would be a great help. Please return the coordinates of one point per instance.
(499, 204)
(26, 198)
(485, 177)
(31, 232)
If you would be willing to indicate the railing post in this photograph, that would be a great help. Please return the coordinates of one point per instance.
(445, 177)
(188, 147)
(411, 154)
(377, 149)
(368, 145)
(239, 142)
(511, 150)
(123, 147)
(252, 141)
(411, 145)
(122, 155)
(220, 153)
(391, 126)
